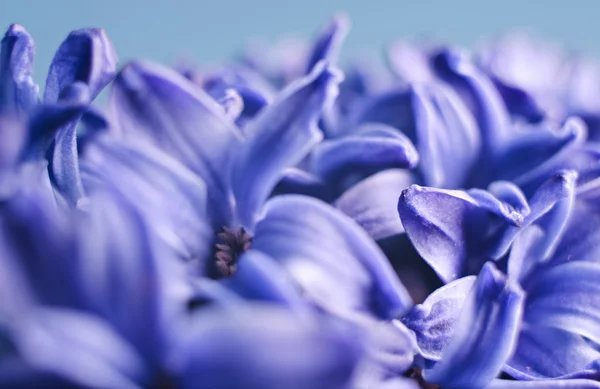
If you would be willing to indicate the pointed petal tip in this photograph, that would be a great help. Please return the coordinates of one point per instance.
(16, 29)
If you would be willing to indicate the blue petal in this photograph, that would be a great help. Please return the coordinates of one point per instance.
(259, 277)
(372, 202)
(370, 149)
(298, 181)
(450, 228)
(278, 138)
(79, 347)
(154, 103)
(17, 90)
(332, 259)
(447, 137)
(544, 353)
(328, 44)
(561, 384)
(264, 347)
(488, 107)
(551, 207)
(129, 277)
(86, 55)
(434, 321)
(64, 165)
(13, 140)
(533, 152)
(170, 197)
(49, 264)
(485, 335)
(566, 297)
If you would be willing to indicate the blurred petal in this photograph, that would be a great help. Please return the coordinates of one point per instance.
(169, 196)
(372, 202)
(331, 258)
(485, 336)
(78, 347)
(488, 107)
(154, 103)
(86, 55)
(447, 137)
(18, 93)
(544, 352)
(567, 297)
(328, 43)
(365, 151)
(561, 384)
(298, 181)
(394, 108)
(434, 321)
(280, 136)
(264, 347)
(259, 277)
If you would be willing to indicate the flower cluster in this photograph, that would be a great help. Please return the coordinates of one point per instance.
(277, 222)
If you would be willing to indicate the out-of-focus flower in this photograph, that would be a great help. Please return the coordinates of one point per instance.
(82, 66)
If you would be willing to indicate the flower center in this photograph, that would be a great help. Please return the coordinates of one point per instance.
(231, 244)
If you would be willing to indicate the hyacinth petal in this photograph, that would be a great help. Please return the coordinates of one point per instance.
(64, 167)
(559, 384)
(266, 347)
(520, 164)
(551, 207)
(446, 136)
(447, 227)
(259, 277)
(365, 151)
(171, 198)
(328, 44)
(86, 55)
(526, 253)
(485, 336)
(279, 137)
(434, 320)
(372, 202)
(78, 347)
(333, 260)
(18, 92)
(394, 108)
(154, 103)
(488, 107)
(536, 356)
(567, 297)
(299, 181)
(28, 218)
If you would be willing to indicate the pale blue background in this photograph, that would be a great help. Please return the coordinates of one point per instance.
(210, 31)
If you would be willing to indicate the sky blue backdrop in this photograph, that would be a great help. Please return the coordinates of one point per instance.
(213, 30)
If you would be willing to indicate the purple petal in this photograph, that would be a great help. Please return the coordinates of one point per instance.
(170, 197)
(447, 137)
(264, 347)
(154, 103)
(328, 44)
(78, 347)
(367, 150)
(545, 352)
(394, 108)
(485, 336)
(562, 384)
(281, 135)
(259, 277)
(17, 91)
(448, 227)
(298, 181)
(434, 321)
(488, 107)
(86, 55)
(566, 297)
(372, 202)
(410, 62)
(333, 260)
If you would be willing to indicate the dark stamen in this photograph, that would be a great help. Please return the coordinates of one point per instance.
(416, 375)
(231, 244)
